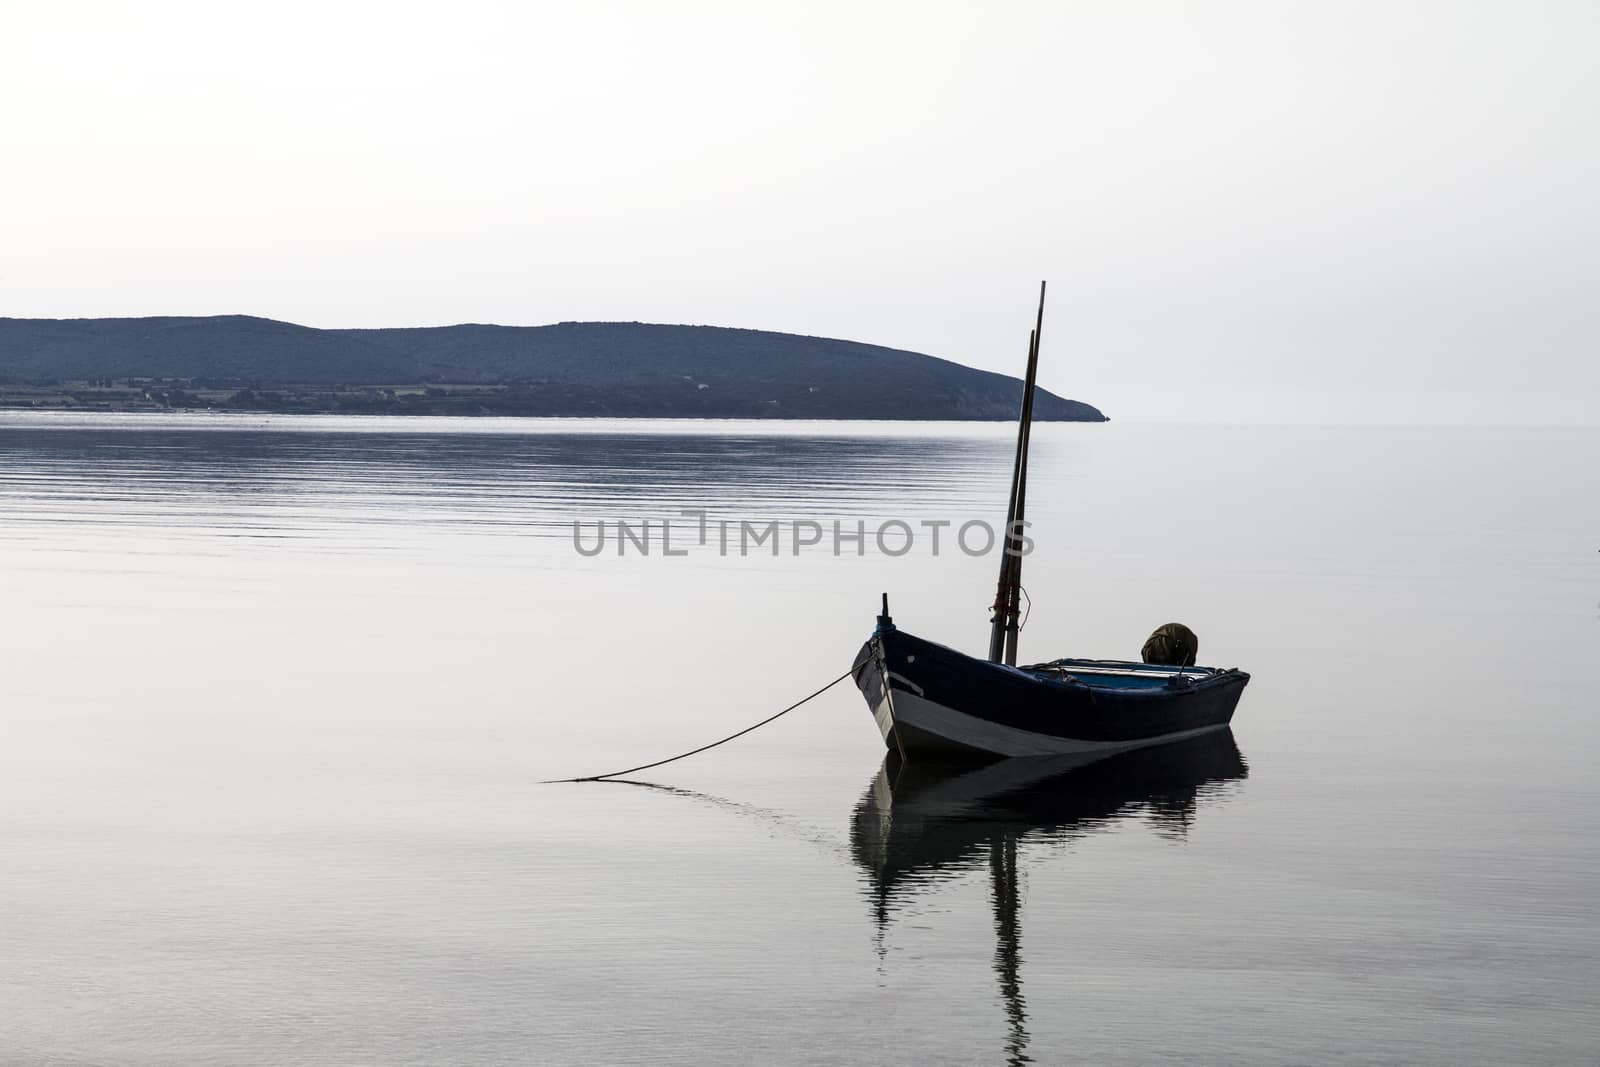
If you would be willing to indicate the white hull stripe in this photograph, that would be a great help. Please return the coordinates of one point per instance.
(906, 683)
(959, 728)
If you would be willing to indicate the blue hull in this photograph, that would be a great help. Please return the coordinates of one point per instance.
(932, 700)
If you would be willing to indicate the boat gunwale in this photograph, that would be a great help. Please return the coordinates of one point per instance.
(1037, 673)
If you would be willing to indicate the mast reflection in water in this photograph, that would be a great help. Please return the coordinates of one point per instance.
(920, 824)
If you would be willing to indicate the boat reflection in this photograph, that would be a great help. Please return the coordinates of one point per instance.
(920, 824)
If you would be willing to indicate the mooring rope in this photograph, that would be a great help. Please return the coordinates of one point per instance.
(702, 748)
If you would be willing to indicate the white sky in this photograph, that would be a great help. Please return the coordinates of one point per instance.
(1281, 210)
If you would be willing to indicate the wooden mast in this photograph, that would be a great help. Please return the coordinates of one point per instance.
(1007, 599)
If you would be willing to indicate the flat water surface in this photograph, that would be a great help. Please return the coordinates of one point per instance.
(277, 697)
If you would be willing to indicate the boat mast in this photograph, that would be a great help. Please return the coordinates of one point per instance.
(1007, 598)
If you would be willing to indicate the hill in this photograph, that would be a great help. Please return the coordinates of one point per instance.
(572, 368)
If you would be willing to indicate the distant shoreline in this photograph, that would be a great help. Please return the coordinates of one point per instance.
(428, 399)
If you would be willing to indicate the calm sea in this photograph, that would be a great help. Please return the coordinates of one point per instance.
(277, 697)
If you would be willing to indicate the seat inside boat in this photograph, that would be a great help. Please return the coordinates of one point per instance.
(1113, 674)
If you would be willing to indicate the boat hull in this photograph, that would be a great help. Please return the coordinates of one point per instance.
(934, 701)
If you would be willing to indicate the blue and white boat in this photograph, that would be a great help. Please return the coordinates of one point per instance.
(932, 700)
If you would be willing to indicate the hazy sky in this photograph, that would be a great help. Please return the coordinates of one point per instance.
(1244, 209)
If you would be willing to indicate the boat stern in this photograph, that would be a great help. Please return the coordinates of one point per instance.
(871, 677)
(870, 672)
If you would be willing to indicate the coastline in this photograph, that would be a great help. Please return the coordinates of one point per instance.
(432, 399)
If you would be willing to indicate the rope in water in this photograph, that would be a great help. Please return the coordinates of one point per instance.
(702, 748)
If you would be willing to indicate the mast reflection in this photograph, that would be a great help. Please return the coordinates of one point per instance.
(920, 824)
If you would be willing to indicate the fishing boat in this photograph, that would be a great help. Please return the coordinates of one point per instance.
(929, 699)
